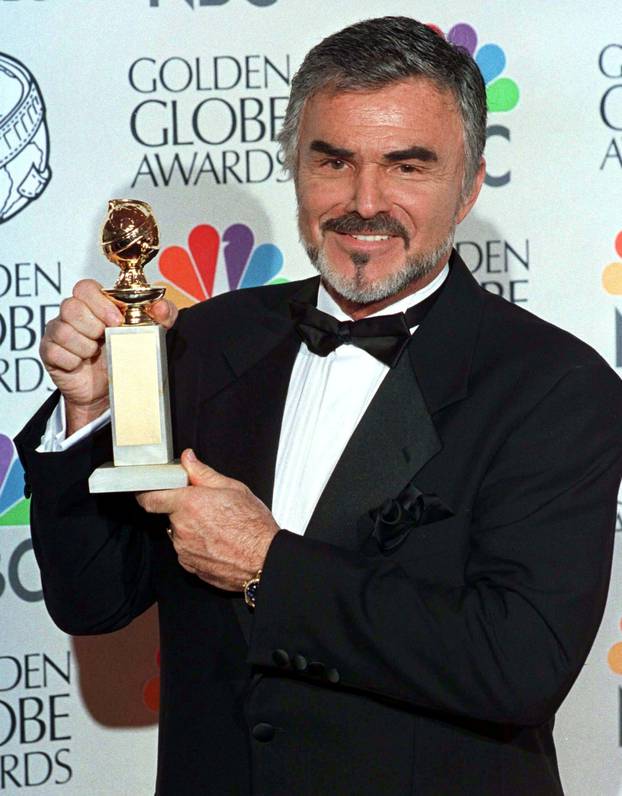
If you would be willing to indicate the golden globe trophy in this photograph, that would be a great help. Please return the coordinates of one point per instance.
(137, 366)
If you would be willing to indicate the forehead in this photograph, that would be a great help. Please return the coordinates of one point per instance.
(414, 111)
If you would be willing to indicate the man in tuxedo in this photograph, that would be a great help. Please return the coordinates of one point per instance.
(394, 552)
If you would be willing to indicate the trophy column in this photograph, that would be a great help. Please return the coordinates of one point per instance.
(137, 366)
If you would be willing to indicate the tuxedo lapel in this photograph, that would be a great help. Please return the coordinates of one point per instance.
(442, 349)
(397, 436)
(258, 398)
(241, 412)
(394, 439)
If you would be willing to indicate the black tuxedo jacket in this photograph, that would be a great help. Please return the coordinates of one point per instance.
(427, 658)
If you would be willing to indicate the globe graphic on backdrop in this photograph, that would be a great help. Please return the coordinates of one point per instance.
(24, 146)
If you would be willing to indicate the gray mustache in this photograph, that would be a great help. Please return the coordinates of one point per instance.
(355, 224)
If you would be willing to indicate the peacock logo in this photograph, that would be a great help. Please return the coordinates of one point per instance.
(614, 657)
(612, 273)
(612, 283)
(14, 507)
(190, 273)
(502, 93)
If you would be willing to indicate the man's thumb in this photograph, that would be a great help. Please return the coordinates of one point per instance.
(164, 312)
(199, 473)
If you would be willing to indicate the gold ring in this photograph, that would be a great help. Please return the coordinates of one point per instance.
(171, 533)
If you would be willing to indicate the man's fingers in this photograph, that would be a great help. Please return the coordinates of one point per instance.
(57, 358)
(77, 314)
(89, 292)
(65, 336)
(201, 474)
(164, 312)
(75, 335)
(89, 310)
(160, 501)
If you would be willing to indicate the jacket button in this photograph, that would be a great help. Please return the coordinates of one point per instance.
(300, 662)
(281, 658)
(332, 675)
(263, 732)
(316, 669)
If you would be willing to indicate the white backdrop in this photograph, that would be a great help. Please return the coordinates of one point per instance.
(176, 102)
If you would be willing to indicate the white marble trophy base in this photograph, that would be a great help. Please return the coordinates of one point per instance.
(137, 477)
(142, 437)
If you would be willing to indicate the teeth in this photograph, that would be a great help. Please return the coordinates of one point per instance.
(371, 237)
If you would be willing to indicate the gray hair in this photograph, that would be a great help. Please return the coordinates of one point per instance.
(376, 52)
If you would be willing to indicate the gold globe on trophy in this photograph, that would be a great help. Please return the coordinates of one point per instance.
(130, 239)
(142, 439)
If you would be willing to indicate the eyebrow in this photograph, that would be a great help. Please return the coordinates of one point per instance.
(328, 149)
(412, 153)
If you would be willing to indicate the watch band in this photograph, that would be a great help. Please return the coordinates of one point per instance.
(250, 589)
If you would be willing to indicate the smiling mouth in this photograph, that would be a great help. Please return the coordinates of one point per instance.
(382, 228)
(371, 238)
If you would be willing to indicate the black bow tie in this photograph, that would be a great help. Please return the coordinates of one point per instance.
(383, 336)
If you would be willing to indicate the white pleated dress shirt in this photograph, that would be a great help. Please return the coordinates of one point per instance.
(326, 399)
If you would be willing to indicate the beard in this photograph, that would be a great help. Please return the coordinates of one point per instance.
(357, 287)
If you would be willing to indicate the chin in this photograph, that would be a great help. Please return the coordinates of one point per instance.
(357, 287)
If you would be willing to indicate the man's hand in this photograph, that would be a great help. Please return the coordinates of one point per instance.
(71, 349)
(221, 531)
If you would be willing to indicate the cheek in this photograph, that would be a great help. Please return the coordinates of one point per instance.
(430, 212)
(311, 212)
(319, 199)
(305, 224)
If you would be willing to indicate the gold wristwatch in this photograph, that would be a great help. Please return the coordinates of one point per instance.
(250, 589)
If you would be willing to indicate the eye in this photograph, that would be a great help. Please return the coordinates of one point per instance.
(407, 168)
(334, 164)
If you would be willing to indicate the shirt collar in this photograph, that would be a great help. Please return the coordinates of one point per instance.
(327, 304)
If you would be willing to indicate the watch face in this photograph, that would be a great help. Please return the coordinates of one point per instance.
(250, 591)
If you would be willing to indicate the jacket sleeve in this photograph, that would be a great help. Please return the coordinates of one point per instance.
(506, 640)
(92, 550)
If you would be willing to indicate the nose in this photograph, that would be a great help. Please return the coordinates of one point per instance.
(369, 195)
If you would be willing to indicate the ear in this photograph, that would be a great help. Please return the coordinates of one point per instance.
(467, 204)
